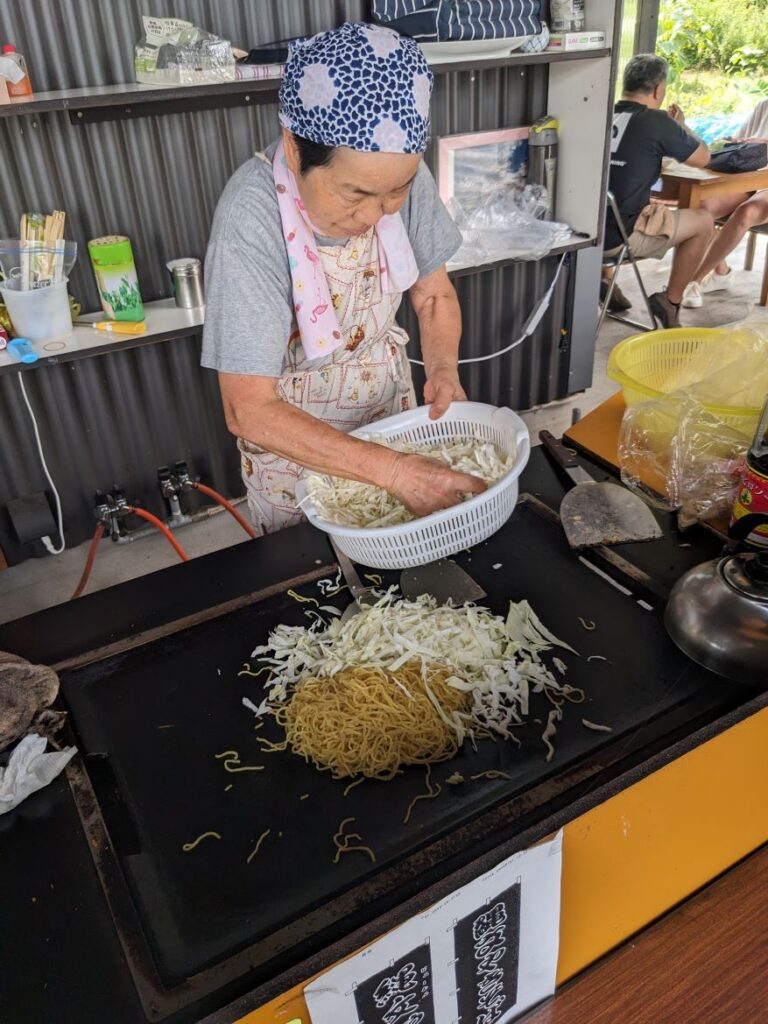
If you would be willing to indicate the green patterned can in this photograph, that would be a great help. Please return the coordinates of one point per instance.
(112, 261)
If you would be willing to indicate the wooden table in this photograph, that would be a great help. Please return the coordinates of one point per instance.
(691, 185)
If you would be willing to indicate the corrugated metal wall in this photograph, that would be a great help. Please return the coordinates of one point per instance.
(115, 418)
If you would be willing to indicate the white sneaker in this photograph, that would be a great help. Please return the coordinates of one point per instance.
(695, 291)
(692, 298)
(718, 282)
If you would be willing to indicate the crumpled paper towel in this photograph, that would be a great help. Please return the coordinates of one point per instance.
(30, 769)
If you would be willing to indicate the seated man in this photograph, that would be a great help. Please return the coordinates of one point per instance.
(642, 135)
(744, 211)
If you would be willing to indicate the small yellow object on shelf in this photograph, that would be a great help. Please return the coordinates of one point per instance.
(114, 326)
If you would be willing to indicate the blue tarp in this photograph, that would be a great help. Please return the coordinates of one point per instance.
(709, 127)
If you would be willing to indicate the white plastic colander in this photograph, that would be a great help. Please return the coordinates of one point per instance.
(453, 529)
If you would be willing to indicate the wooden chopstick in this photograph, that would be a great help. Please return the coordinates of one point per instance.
(48, 234)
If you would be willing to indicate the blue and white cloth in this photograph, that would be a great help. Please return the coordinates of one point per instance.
(437, 21)
(361, 86)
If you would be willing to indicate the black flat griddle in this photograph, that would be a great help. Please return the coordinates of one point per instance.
(151, 721)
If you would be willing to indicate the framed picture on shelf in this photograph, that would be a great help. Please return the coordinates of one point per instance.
(472, 166)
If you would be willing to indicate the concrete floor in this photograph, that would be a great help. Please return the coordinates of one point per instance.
(42, 582)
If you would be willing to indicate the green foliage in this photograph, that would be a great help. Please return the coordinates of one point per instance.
(712, 92)
(717, 52)
(747, 59)
(724, 35)
(125, 297)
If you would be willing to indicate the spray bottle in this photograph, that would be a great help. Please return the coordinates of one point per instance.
(18, 79)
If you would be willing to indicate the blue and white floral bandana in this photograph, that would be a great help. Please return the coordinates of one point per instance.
(360, 86)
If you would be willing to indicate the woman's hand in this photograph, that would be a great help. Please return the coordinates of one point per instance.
(443, 387)
(425, 485)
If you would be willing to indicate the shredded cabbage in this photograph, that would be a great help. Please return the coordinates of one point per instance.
(350, 503)
(498, 661)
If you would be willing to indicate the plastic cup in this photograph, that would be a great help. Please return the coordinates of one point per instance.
(42, 314)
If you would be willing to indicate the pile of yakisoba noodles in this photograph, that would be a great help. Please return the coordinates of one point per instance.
(349, 503)
(406, 682)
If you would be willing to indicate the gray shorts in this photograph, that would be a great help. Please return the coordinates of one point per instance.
(648, 247)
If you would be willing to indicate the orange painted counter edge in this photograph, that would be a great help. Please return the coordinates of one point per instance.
(633, 857)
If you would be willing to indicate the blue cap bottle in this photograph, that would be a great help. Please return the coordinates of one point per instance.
(22, 351)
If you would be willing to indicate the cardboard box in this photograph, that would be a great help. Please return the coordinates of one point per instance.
(569, 41)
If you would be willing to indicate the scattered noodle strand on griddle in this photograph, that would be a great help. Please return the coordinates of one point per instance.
(368, 722)
(187, 847)
(257, 847)
(432, 792)
(342, 841)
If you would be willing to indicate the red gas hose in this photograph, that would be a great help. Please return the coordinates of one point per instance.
(98, 533)
(161, 526)
(204, 489)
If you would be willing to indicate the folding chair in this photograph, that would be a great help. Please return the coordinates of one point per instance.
(617, 261)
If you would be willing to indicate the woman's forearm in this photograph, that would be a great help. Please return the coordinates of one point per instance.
(439, 319)
(295, 435)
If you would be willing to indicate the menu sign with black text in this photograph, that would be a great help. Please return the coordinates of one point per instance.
(487, 949)
(483, 955)
(400, 993)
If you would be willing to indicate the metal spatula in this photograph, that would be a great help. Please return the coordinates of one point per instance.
(361, 596)
(595, 513)
(444, 580)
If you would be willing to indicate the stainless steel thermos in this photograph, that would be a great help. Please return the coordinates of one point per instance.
(542, 158)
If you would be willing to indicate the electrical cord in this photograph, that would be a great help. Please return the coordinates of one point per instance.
(49, 545)
(529, 326)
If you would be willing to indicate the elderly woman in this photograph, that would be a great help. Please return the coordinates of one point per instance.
(744, 211)
(312, 246)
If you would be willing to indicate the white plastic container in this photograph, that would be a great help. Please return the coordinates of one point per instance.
(453, 529)
(41, 314)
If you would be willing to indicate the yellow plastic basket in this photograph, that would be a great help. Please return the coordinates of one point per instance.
(656, 363)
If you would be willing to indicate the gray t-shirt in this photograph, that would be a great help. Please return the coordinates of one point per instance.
(248, 306)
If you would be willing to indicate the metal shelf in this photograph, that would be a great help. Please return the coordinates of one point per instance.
(123, 102)
(164, 320)
(462, 270)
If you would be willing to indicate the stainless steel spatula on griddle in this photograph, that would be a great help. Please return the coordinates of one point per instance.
(444, 580)
(595, 513)
(362, 596)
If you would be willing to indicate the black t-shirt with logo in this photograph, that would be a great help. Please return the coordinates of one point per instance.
(640, 138)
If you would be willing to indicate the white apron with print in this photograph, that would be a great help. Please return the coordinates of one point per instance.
(365, 379)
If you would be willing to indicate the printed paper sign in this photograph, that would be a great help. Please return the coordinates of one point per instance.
(487, 946)
(483, 955)
(400, 993)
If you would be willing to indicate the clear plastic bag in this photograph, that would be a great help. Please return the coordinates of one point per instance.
(176, 52)
(677, 450)
(507, 225)
(29, 265)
